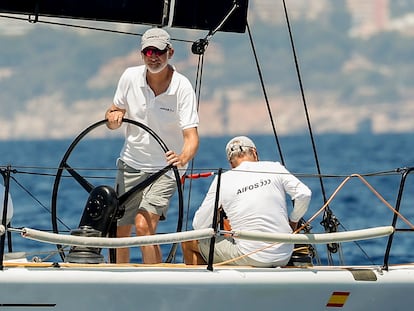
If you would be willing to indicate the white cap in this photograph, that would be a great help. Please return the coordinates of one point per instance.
(238, 144)
(155, 37)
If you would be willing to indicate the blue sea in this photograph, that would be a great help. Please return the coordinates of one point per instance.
(378, 158)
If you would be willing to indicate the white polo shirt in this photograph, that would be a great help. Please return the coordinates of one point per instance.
(167, 114)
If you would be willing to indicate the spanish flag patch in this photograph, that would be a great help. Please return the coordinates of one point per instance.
(338, 299)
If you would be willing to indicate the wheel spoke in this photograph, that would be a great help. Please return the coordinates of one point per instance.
(124, 198)
(82, 181)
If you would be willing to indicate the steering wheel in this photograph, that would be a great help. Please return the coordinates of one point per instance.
(88, 187)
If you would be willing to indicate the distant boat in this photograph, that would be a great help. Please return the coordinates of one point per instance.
(85, 280)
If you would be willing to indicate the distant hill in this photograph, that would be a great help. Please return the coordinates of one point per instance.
(56, 80)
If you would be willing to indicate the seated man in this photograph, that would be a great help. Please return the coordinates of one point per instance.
(253, 196)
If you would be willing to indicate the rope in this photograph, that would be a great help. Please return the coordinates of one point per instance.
(369, 186)
(346, 180)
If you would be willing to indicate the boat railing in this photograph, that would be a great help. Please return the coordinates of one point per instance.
(211, 233)
(6, 177)
(404, 174)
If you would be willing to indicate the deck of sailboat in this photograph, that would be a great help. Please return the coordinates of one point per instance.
(179, 267)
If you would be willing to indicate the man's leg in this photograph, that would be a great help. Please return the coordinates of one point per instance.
(191, 253)
(127, 177)
(122, 254)
(146, 224)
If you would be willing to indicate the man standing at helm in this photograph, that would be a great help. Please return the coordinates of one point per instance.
(156, 95)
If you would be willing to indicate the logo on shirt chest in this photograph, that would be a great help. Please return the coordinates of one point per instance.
(168, 109)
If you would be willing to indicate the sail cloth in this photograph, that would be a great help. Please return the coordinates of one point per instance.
(135, 12)
(193, 14)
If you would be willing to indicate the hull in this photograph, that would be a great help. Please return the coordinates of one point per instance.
(178, 287)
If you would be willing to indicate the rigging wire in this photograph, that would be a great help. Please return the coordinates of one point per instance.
(265, 95)
(306, 227)
(197, 87)
(101, 29)
(37, 200)
(330, 222)
(199, 47)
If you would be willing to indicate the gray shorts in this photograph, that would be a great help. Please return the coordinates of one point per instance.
(155, 198)
(225, 249)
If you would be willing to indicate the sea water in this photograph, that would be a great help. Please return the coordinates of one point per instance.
(355, 206)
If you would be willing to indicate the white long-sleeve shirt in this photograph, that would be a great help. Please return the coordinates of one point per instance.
(253, 196)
